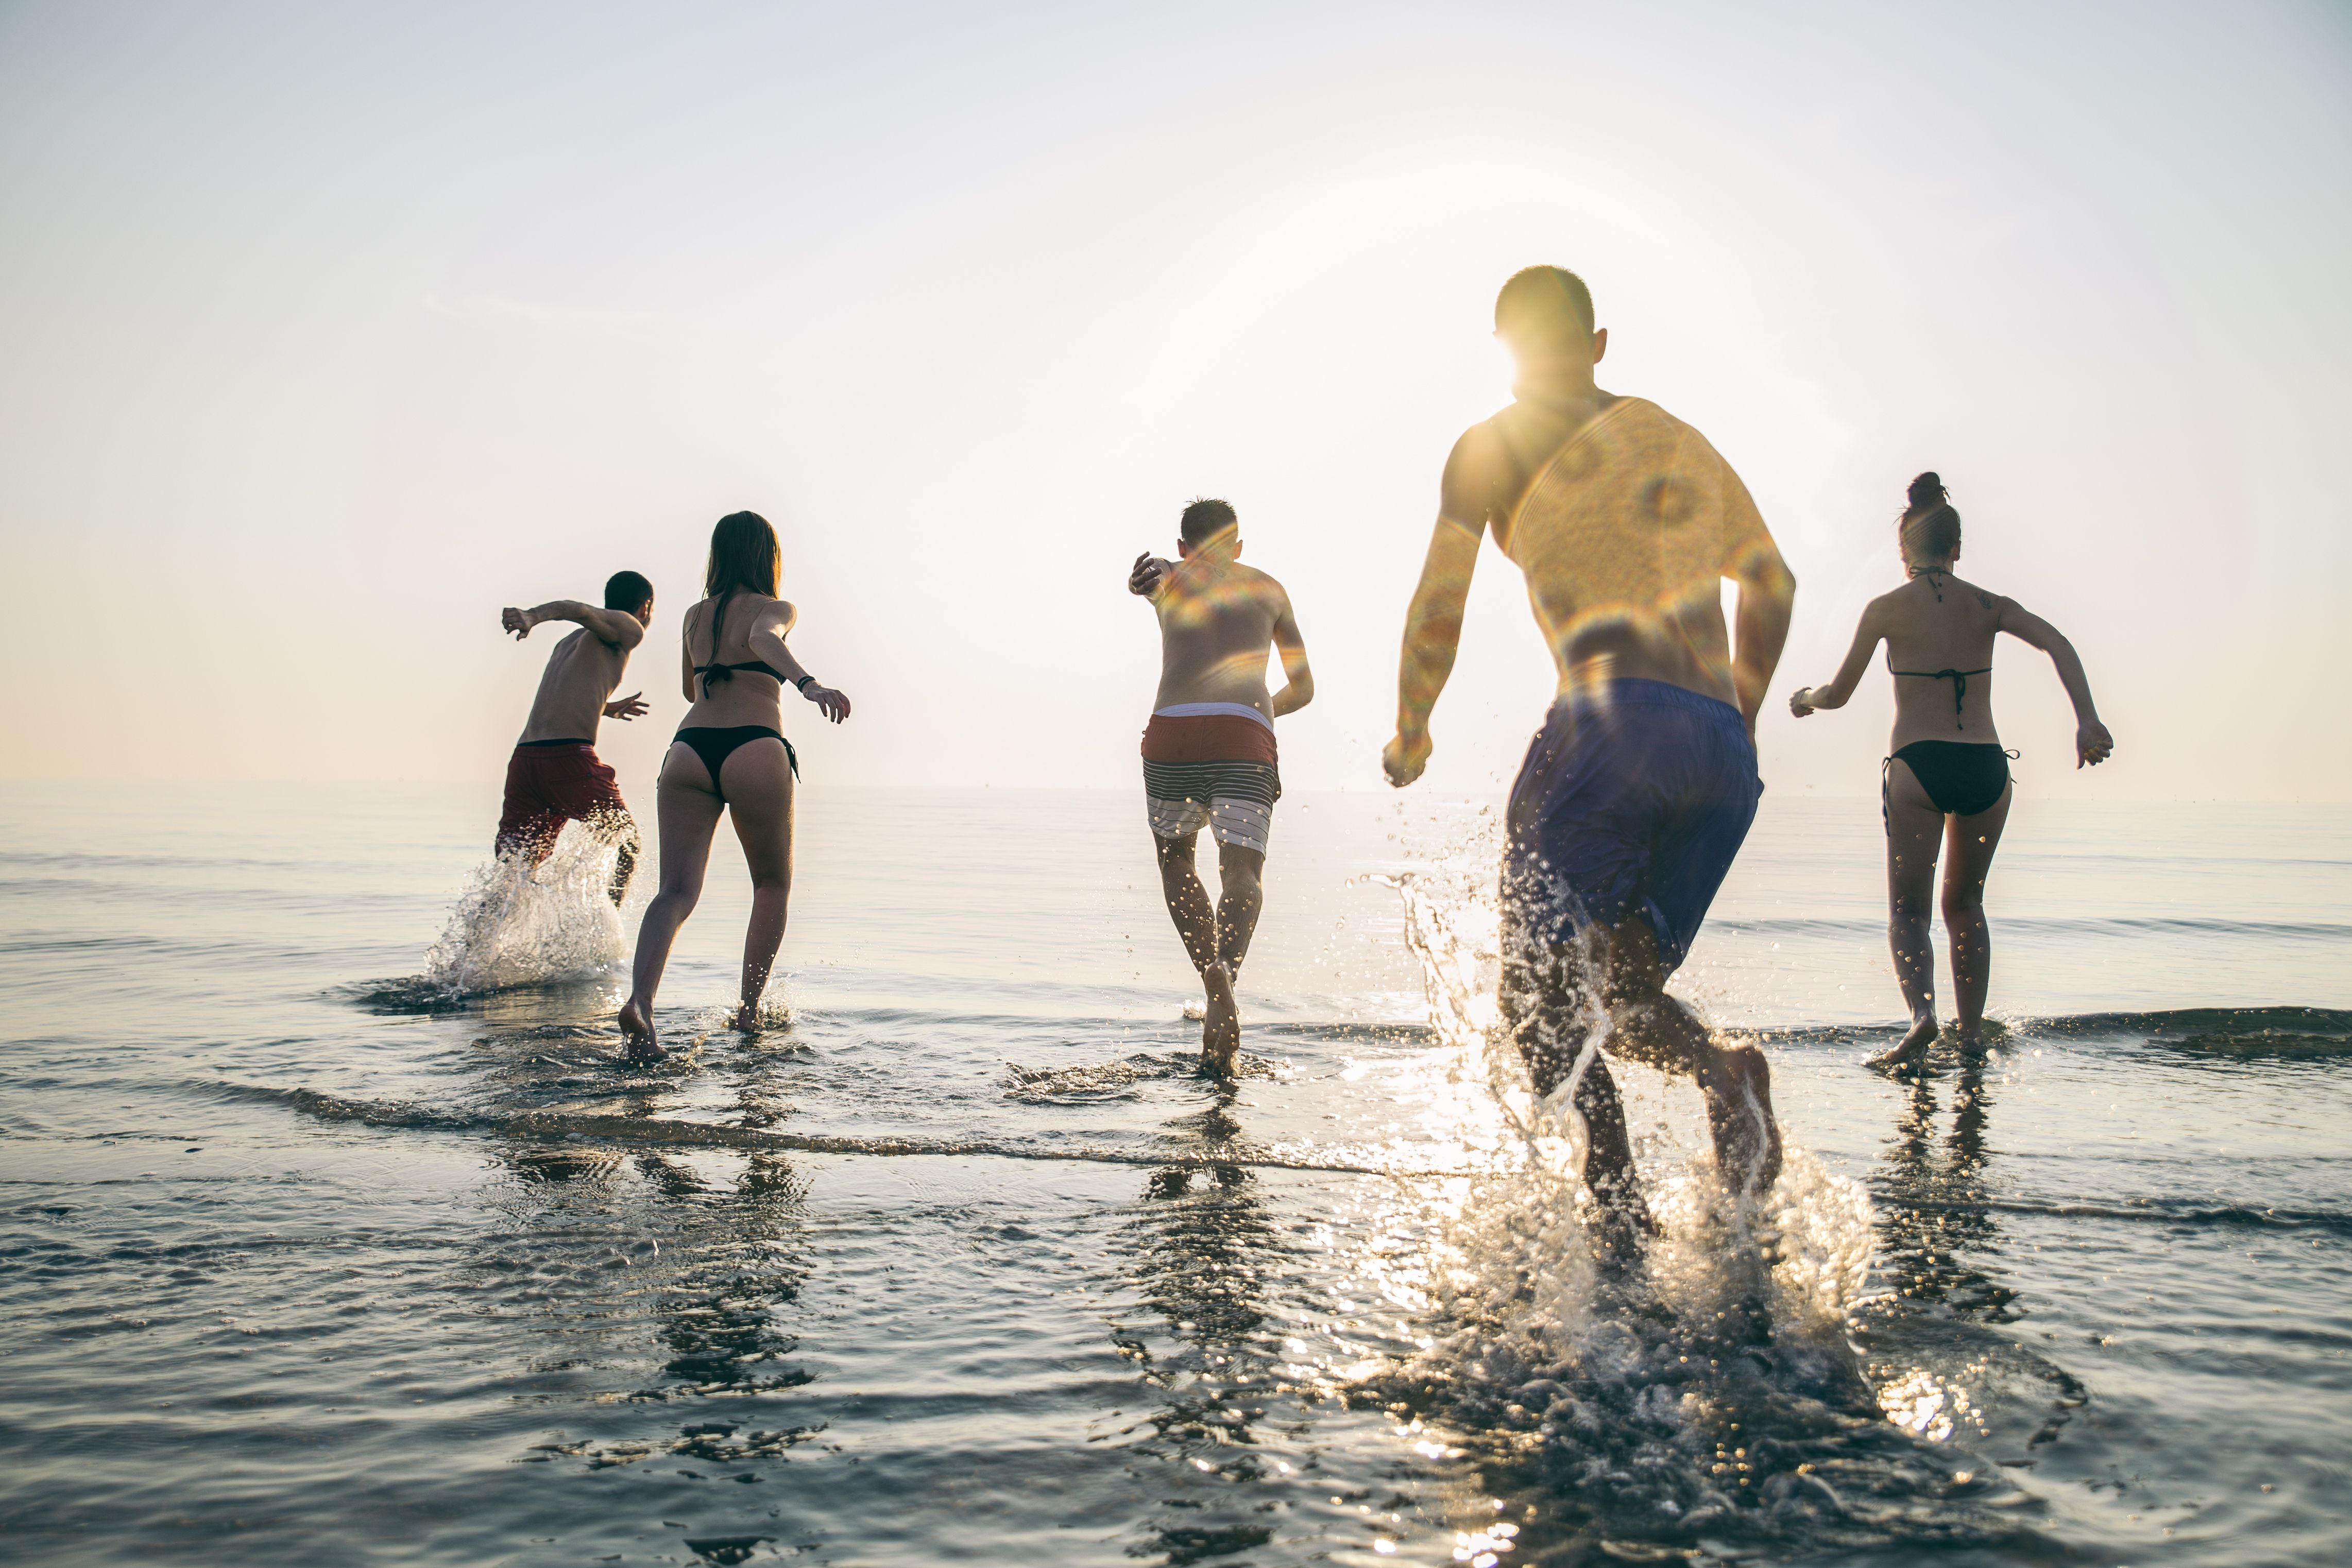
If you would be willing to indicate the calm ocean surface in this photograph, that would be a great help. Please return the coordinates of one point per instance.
(306, 1257)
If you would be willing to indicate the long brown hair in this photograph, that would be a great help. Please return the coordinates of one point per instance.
(743, 554)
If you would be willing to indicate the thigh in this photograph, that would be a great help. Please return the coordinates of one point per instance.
(759, 783)
(687, 816)
(1914, 827)
(1969, 845)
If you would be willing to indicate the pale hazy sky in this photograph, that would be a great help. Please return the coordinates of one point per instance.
(326, 332)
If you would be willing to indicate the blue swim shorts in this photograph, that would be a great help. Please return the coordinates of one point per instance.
(1634, 798)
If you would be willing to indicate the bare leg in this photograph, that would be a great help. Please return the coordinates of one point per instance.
(1734, 1080)
(1546, 1006)
(1187, 901)
(1220, 1023)
(1968, 860)
(688, 814)
(1241, 895)
(759, 783)
(1913, 827)
(619, 830)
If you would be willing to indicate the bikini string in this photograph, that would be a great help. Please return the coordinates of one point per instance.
(715, 671)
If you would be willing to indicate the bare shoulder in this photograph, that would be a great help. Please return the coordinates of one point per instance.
(1263, 583)
(781, 614)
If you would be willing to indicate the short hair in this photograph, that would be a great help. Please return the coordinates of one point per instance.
(1544, 302)
(743, 554)
(1930, 526)
(626, 591)
(1207, 518)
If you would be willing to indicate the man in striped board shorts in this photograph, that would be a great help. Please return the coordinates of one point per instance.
(1208, 754)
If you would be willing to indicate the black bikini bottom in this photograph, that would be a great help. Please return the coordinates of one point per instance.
(714, 746)
(1961, 777)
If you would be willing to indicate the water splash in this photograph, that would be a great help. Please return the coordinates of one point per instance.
(518, 925)
(1687, 1394)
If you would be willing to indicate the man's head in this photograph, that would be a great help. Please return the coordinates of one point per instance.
(1209, 523)
(1544, 315)
(629, 591)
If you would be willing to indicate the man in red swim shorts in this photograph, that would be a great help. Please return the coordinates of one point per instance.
(554, 777)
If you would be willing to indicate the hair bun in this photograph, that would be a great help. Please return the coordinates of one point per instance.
(1927, 491)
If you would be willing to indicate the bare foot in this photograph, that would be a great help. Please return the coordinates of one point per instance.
(1221, 1023)
(638, 1028)
(746, 1019)
(1910, 1052)
(1738, 1089)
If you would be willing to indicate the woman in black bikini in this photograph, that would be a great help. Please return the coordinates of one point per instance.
(1949, 777)
(729, 753)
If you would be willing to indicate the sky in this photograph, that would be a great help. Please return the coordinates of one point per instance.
(330, 331)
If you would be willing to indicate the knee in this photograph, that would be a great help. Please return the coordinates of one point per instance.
(1908, 910)
(1963, 907)
(1238, 882)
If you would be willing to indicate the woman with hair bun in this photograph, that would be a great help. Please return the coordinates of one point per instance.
(1946, 777)
(730, 754)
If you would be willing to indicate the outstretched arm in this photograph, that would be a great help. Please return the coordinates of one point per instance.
(1433, 622)
(1298, 681)
(2093, 744)
(1866, 635)
(618, 627)
(767, 640)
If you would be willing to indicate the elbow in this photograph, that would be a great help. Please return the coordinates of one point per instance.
(1301, 691)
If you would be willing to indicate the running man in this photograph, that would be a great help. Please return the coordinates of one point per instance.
(1208, 752)
(554, 777)
(1641, 785)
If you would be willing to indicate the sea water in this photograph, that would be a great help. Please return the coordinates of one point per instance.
(333, 1233)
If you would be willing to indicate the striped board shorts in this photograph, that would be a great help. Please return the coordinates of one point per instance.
(1216, 771)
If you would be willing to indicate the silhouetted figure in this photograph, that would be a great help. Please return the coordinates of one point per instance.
(1640, 788)
(1209, 757)
(1948, 776)
(554, 775)
(730, 754)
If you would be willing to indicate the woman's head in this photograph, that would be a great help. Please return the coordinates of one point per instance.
(1929, 528)
(743, 554)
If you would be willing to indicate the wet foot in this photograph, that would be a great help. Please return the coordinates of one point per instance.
(638, 1030)
(1221, 1023)
(1738, 1089)
(1910, 1052)
(746, 1019)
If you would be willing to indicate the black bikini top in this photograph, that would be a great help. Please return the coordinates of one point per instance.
(720, 674)
(1959, 678)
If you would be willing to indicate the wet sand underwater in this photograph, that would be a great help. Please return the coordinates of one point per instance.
(332, 1233)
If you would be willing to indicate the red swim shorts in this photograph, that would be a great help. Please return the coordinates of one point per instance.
(550, 784)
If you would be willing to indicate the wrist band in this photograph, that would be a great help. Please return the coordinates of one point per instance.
(802, 685)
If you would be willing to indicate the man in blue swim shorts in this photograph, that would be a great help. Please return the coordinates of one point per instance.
(1636, 796)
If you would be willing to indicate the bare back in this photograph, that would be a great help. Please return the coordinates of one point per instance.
(1939, 633)
(752, 631)
(1218, 621)
(581, 675)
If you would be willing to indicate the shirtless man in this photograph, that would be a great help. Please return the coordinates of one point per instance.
(1208, 752)
(554, 777)
(1641, 785)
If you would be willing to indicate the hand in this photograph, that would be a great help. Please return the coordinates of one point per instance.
(1402, 759)
(2093, 744)
(829, 702)
(516, 621)
(1801, 702)
(628, 707)
(1149, 571)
